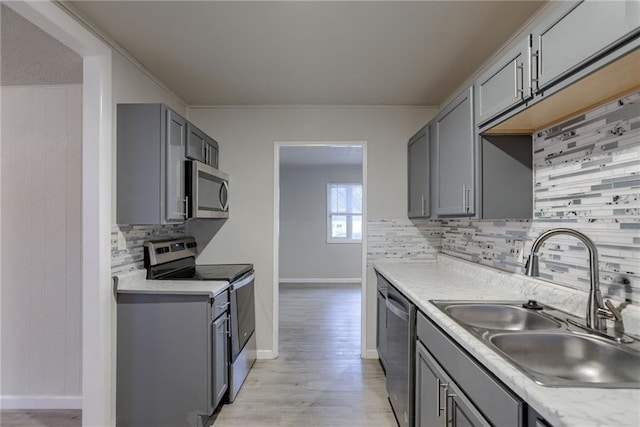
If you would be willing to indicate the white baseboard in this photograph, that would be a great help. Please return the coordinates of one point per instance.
(319, 280)
(40, 402)
(371, 354)
(264, 354)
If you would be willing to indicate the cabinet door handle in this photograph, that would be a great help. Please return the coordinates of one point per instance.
(442, 386)
(445, 409)
(186, 206)
(466, 206)
(536, 68)
(519, 83)
(422, 205)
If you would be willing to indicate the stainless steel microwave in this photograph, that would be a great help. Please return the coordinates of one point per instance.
(207, 191)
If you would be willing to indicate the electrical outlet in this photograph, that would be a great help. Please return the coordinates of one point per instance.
(122, 242)
(519, 245)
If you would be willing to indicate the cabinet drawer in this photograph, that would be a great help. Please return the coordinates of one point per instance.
(220, 304)
(500, 406)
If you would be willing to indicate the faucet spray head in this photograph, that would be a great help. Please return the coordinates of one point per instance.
(532, 267)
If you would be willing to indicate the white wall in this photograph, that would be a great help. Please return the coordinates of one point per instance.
(304, 251)
(41, 246)
(247, 137)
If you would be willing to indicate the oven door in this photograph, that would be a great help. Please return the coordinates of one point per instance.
(207, 191)
(243, 317)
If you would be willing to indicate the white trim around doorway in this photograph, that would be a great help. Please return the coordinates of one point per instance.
(98, 361)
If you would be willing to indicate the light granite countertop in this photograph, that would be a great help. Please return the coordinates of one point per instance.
(453, 279)
(135, 282)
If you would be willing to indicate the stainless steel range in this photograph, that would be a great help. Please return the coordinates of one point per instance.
(175, 260)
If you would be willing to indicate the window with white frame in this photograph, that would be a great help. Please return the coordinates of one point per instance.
(344, 213)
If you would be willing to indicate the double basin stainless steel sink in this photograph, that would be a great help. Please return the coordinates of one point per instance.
(544, 344)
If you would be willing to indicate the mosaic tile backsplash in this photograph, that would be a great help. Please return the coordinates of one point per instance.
(587, 177)
(131, 257)
(403, 240)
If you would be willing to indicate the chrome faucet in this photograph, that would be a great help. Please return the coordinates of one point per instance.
(596, 310)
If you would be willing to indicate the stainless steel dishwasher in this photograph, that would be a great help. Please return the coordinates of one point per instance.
(401, 324)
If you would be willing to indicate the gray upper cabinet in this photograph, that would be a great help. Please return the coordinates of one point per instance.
(150, 164)
(175, 189)
(211, 152)
(196, 143)
(506, 84)
(455, 151)
(578, 32)
(418, 174)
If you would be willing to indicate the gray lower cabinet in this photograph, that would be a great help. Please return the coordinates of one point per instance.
(172, 359)
(506, 85)
(439, 401)
(456, 156)
(150, 164)
(577, 32)
(452, 389)
(418, 174)
(221, 358)
(381, 328)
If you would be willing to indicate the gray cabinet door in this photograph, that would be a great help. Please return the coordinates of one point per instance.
(176, 205)
(428, 406)
(211, 152)
(506, 84)
(577, 32)
(455, 147)
(220, 359)
(439, 401)
(460, 411)
(418, 174)
(196, 145)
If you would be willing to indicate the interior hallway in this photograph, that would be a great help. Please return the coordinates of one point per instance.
(319, 378)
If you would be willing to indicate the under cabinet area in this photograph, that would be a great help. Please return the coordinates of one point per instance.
(507, 176)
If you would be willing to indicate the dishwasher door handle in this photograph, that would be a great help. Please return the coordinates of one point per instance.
(396, 309)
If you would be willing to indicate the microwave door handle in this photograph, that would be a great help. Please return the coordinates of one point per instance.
(224, 199)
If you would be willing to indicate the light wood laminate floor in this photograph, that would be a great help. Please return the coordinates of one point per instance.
(319, 378)
(41, 418)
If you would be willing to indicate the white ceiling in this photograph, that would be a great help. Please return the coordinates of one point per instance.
(310, 52)
(321, 156)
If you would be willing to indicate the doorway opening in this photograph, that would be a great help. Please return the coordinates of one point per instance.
(320, 249)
